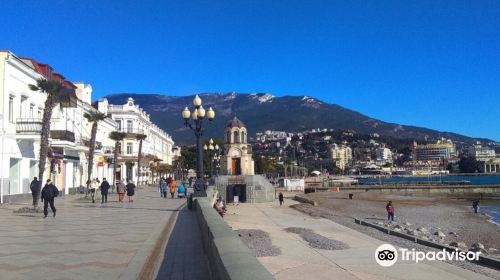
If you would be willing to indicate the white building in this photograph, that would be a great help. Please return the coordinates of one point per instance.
(341, 154)
(133, 120)
(482, 153)
(21, 110)
(384, 155)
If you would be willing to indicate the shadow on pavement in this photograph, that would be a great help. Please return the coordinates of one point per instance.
(184, 257)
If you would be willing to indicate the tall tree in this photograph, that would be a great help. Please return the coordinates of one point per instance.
(56, 92)
(117, 137)
(140, 138)
(92, 117)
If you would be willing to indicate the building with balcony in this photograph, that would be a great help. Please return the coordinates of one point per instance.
(443, 149)
(21, 111)
(482, 153)
(133, 121)
(384, 155)
(341, 155)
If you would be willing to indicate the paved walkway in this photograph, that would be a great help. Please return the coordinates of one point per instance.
(85, 240)
(300, 261)
(184, 256)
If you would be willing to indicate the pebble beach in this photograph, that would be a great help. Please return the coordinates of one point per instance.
(455, 220)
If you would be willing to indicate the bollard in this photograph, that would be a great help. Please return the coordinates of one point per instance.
(190, 201)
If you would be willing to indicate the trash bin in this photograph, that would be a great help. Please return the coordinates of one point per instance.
(350, 196)
(190, 201)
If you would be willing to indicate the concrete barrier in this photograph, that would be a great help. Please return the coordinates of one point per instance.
(228, 257)
(483, 260)
(458, 192)
(305, 200)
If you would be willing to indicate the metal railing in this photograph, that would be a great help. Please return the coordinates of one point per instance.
(29, 126)
(64, 135)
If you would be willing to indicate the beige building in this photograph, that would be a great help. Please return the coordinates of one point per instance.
(441, 150)
(341, 154)
(237, 158)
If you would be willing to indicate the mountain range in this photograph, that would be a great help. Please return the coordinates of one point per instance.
(263, 111)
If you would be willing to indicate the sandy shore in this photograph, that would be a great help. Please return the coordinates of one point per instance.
(432, 213)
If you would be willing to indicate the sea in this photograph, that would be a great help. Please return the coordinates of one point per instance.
(490, 208)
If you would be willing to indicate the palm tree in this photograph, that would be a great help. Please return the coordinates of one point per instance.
(56, 92)
(140, 138)
(117, 137)
(93, 117)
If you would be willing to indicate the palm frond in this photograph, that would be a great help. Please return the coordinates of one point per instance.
(141, 136)
(116, 136)
(94, 116)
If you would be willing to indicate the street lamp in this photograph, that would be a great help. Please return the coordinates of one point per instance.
(213, 154)
(194, 121)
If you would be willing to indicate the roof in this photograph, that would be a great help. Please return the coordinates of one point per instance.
(235, 122)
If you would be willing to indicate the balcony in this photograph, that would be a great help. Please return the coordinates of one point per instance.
(63, 135)
(29, 126)
(132, 133)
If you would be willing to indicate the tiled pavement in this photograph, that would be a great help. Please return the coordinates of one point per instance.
(85, 240)
(184, 257)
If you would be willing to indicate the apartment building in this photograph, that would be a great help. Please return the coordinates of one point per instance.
(158, 146)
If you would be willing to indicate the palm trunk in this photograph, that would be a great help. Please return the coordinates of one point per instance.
(44, 138)
(117, 143)
(139, 162)
(90, 165)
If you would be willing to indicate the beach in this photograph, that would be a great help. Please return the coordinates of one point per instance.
(433, 213)
(454, 218)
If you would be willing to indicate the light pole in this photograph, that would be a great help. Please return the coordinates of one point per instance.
(195, 122)
(213, 154)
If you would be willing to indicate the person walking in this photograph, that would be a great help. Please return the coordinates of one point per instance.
(173, 187)
(390, 211)
(35, 191)
(475, 205)
(164, 189)
(160, 185)
(104, 190)
(130, 191)
(49, 193)
(93, 187)
(121, 191)
(280, 198)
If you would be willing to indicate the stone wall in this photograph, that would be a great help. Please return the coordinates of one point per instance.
(228, 257)
(258, 188)
(483, 192)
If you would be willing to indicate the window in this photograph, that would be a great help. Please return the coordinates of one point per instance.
(129, 148)
(11, 109)
(236, 137)
(119, 122)
(39, 113)
(129, 126)
(32, 106)
(21, 106)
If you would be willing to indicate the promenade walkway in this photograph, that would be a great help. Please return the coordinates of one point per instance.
(300, 261)
(85, 240)
(184, 256)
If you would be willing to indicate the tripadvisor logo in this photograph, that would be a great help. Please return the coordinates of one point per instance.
(387, 255)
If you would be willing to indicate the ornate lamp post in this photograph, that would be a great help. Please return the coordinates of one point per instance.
(213, 154)
(194, 121)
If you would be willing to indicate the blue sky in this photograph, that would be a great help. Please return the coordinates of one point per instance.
(427, 63)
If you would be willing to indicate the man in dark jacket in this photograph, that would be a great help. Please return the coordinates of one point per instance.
(49, 192)
(104, 190)
(35, 191)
